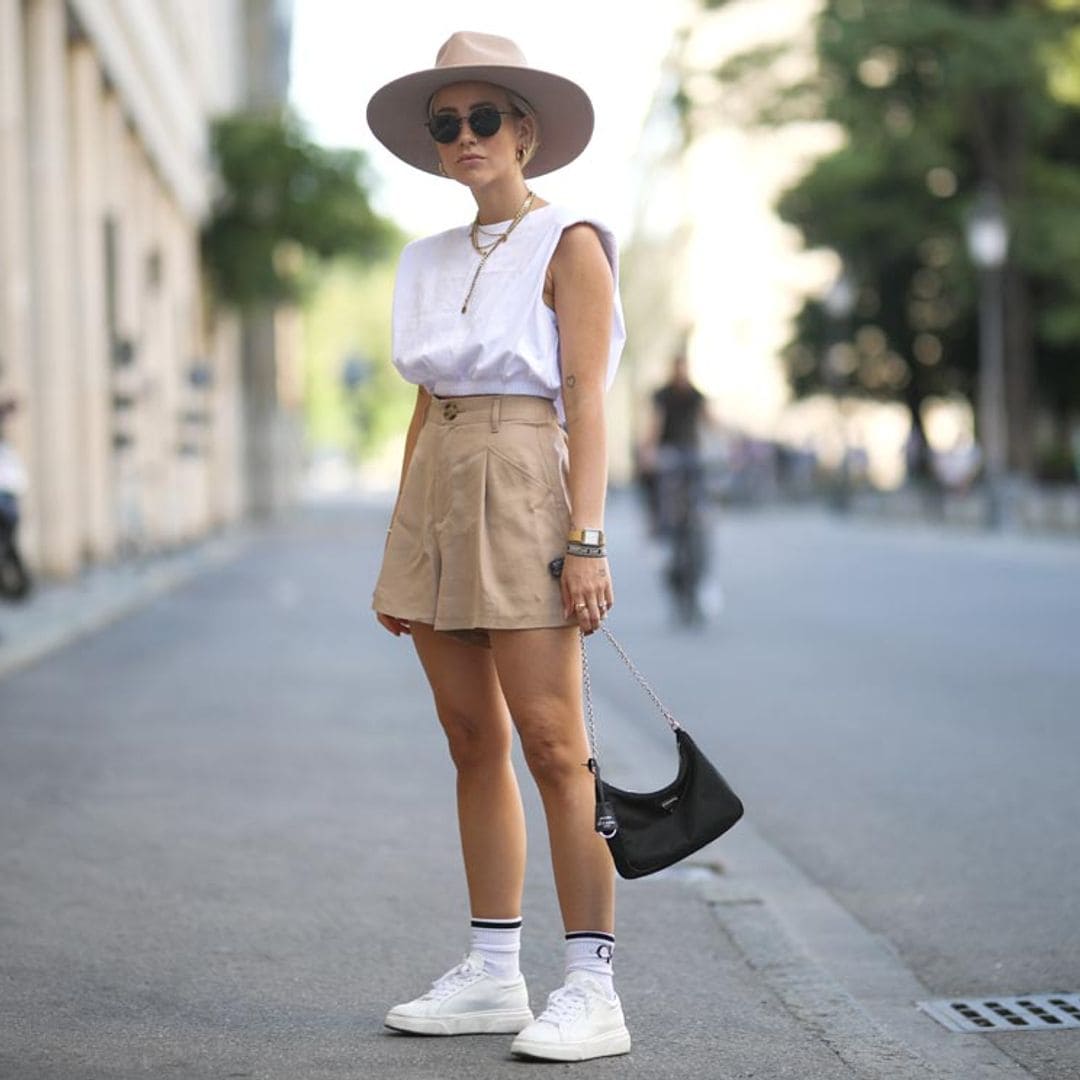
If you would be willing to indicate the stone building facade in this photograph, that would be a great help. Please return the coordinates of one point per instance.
(129, 385)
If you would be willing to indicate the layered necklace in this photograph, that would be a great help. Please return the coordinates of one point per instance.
(485, 247)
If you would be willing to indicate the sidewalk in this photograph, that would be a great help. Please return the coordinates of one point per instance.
(278, 916)
(57, 613)
(1051, 511)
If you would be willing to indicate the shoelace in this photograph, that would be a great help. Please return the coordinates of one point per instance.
(454, 979)
(565, 1005)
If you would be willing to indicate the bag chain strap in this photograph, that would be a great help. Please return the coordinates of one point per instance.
(590, 716)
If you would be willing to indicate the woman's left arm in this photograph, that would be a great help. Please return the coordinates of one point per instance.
(584, 296)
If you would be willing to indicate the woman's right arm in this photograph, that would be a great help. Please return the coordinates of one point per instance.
(423, 401)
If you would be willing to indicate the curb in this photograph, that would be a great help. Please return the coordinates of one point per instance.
(846, 987)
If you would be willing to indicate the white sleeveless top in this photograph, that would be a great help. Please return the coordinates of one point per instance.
(508, 340)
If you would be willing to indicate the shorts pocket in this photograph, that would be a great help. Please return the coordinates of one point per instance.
(534, 478)
(521, 516)
(553, 459)
(516, 443)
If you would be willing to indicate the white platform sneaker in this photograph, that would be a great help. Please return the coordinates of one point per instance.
(465, 1001)
(580, 1022)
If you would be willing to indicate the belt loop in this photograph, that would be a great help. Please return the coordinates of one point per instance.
(496, 411)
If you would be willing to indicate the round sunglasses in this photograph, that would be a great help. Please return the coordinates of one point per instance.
(484, 121)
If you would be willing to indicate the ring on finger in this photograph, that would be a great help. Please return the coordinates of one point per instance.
(580, 605)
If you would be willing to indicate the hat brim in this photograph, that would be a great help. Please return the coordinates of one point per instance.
(396, 113)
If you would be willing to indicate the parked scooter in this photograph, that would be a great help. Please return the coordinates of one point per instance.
(15, 581)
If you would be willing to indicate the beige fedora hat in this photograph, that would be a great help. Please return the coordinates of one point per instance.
(397, 112)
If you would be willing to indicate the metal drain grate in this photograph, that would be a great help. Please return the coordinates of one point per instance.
(1031, 1012)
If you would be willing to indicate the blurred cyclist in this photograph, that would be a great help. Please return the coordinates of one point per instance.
(672, 476)
(674, 437)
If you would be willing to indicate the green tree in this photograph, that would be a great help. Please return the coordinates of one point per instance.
(937, 98)
(347, 321)
(285, 202)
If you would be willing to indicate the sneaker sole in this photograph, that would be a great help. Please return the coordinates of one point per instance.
(609, 1044)
(505, 1022)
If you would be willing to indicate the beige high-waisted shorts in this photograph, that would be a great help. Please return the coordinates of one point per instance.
(484, 510)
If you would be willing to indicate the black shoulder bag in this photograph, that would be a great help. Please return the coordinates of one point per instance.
(647, 831)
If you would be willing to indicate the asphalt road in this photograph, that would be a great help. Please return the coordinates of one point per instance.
(226, 822)
(901, 708)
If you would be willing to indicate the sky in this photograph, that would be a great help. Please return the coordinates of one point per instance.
(343, 52)
(744, 275)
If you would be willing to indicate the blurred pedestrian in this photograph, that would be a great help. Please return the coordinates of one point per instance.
(676, 491)
(506, 326)
(680, 408)
(15, 580)
(672, 443)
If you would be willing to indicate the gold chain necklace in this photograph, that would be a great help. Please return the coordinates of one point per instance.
(485, 251)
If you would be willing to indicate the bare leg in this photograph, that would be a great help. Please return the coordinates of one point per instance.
(473, 713)
(540, 674)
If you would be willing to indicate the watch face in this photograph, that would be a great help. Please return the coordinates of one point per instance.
(593, 537)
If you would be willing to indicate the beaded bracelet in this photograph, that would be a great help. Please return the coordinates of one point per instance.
(586, 551)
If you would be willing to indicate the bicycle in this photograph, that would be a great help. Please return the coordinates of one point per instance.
(680, 479)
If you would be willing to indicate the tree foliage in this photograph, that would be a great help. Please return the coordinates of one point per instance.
(284, 201)
(937, 98)
(346, 321)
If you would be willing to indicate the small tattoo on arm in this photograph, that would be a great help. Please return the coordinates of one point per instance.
(571, 381)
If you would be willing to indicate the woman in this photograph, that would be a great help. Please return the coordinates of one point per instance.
(506, 325)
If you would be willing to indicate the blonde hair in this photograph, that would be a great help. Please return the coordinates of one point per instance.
(519, 104)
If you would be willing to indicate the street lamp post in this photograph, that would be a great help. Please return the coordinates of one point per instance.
(356, 372)
(987, 237)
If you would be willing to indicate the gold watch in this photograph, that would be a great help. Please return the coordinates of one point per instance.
(591, 537)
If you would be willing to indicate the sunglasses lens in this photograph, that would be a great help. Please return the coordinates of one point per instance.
(485, 121)
(444, 128)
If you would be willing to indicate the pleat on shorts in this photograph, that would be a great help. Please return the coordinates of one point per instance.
(484, 510)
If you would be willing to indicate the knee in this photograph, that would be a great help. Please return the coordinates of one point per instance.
(474, 742)
(554, 760)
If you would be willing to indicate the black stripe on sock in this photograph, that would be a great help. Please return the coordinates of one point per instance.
(493, 924)
(590, 934)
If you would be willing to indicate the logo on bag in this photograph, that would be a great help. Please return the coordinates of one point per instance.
(667, 804)
(604, 952)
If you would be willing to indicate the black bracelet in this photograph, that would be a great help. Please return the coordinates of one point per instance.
(586, 551)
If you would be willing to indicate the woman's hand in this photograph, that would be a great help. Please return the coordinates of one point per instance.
(586, 591)
(397, 627)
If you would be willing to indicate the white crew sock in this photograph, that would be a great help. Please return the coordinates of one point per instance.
(498, 941)
(591, 951)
